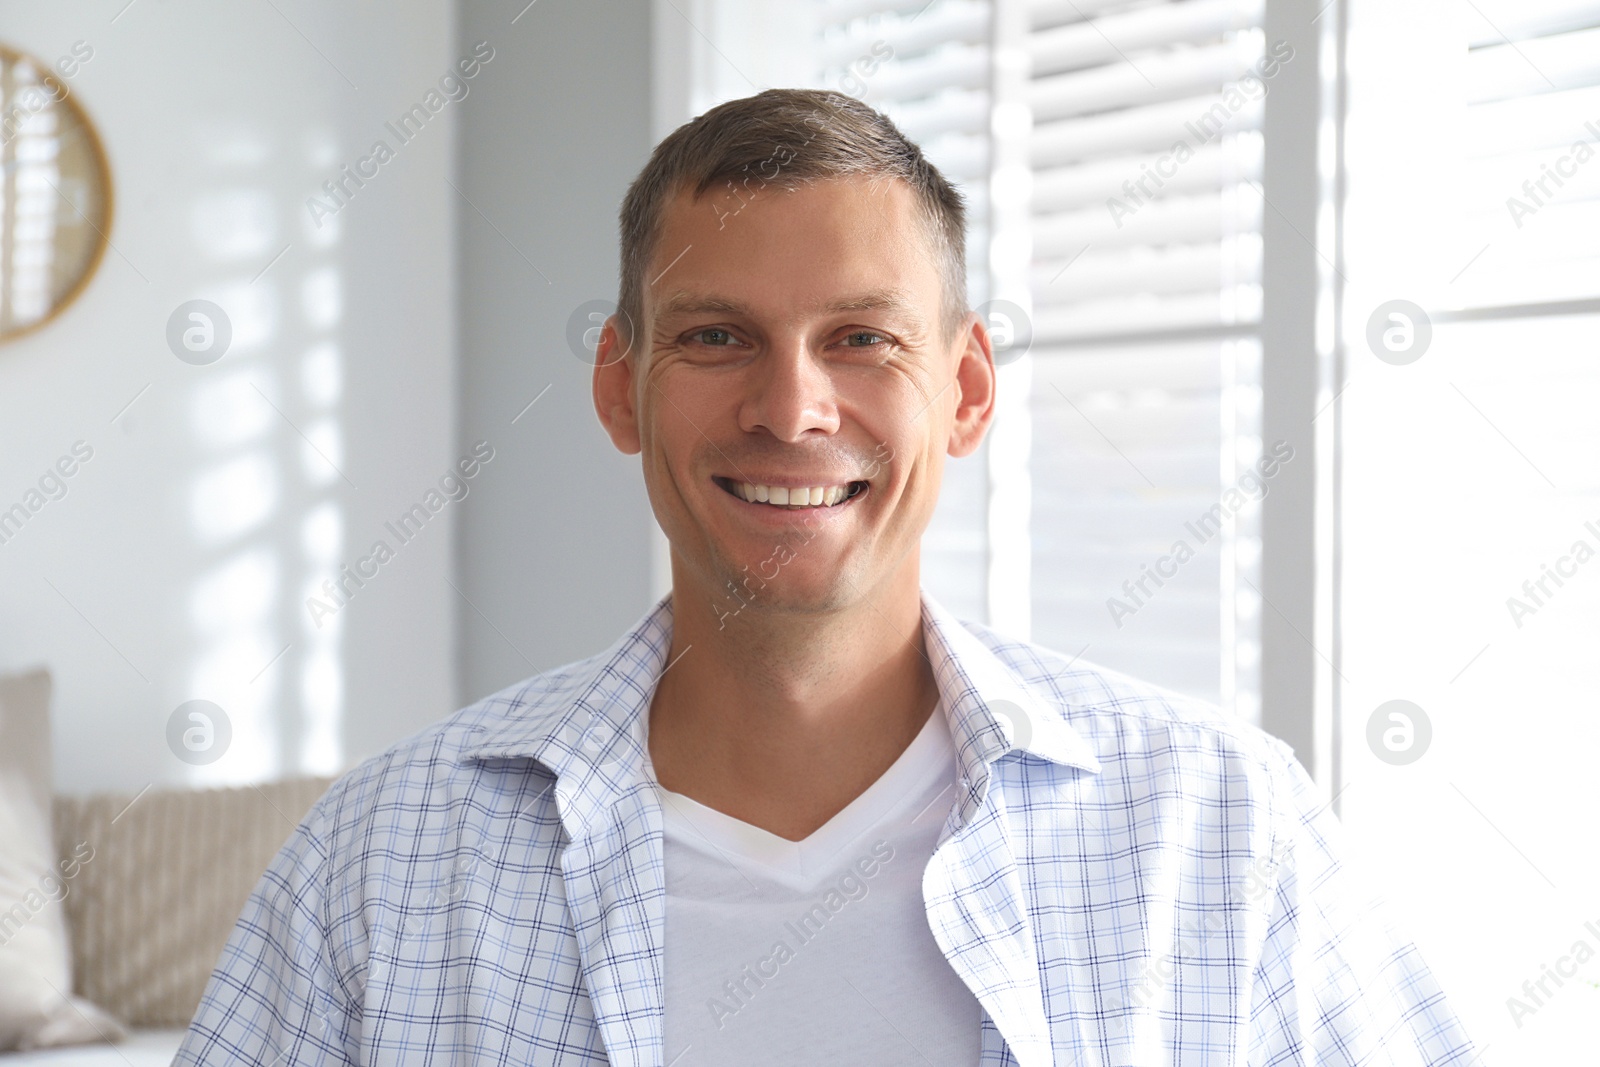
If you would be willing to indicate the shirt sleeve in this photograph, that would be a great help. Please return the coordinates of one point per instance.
(1336, 983)
(275, 998)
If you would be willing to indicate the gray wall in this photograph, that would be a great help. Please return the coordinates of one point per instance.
(553, 548)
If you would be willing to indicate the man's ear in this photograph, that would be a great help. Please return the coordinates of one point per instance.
(614, 364)
(975, 388)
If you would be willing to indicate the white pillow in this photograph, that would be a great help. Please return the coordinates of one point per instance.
(37, 1008)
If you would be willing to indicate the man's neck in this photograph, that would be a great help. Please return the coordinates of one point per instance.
(781, 719)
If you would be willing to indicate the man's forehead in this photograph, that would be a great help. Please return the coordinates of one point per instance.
(827, 246)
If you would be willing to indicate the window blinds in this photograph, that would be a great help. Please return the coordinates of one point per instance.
(1529, 195)
(1146, 282)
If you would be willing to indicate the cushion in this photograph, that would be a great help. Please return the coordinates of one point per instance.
(171, 870)
(37, 1009)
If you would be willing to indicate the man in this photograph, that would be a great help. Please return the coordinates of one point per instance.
(799, 814)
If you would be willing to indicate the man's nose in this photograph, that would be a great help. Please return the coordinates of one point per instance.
(791, 393)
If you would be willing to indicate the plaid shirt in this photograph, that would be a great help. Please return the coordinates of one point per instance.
(1125, 877)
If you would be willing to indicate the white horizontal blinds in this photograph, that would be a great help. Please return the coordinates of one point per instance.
(1530, 187)
(1146, 285)
(1146, 144)
(926, 65)
(1127, 466)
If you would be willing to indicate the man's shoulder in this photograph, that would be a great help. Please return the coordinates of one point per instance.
(1120, 714)
(435, 768)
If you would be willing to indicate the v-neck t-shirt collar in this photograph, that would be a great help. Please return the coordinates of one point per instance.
(921, 774)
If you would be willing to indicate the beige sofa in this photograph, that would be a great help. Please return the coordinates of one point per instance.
(145, 891)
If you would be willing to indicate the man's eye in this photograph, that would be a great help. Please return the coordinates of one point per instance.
(713, 336)
(864, 338)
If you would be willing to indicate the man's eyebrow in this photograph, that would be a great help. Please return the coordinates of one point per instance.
(875, 300)
(681, 303)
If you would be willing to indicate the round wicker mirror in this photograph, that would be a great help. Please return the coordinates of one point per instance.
(55, 192)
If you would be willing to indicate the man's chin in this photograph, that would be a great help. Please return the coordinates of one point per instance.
(784, 595)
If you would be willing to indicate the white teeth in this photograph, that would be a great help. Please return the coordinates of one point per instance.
(810, 496)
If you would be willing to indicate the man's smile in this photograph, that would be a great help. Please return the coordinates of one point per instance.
(822, 496)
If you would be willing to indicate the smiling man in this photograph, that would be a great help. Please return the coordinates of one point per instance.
(800, 814)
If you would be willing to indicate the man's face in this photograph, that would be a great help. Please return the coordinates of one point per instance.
(797, 345)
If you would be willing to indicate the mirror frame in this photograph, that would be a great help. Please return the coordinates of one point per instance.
(102, 163)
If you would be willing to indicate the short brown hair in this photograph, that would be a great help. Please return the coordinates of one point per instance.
(825, 135)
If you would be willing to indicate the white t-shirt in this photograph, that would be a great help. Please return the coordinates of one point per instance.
(815, 951)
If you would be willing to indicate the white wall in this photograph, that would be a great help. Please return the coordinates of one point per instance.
(178, 563)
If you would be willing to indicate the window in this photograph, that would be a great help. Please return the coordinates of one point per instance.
(1145, 280)
(1469, 499)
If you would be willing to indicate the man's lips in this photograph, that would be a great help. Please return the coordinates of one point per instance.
(821, 494)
